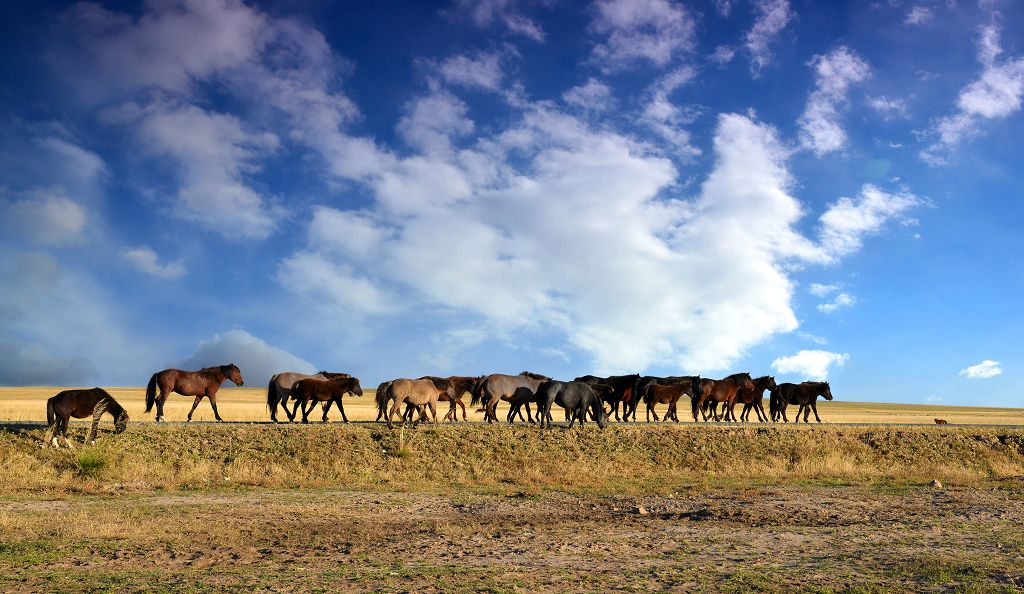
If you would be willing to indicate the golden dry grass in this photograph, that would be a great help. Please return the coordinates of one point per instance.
(249, 404)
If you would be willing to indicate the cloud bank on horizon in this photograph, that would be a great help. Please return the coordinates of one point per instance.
(253, 182)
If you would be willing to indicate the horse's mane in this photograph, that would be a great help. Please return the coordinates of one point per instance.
(737, 375)
(532, 375)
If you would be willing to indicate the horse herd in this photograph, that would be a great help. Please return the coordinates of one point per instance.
(586, 397)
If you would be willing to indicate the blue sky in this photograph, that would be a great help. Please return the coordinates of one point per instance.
(812, 190)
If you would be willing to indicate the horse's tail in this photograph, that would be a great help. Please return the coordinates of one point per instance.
(382, 396)
(478, 389)
(51, 415)
(272, 397)
(151, 393)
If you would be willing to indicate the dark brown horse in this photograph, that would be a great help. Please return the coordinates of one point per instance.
(670, 395)
(307, 392)
(720, 391)
(691, 385)
(752, 399)
(280, 388)
(202, 383)
(941, 422)
(81, 404)
(804, 394)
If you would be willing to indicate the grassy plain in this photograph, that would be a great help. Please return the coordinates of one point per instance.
(477, 508)
(249, 404)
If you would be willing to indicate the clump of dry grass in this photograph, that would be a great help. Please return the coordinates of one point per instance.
(501, 458)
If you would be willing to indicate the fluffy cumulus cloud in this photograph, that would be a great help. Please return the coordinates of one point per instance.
(45, 218)
(810, 364)
(640, 279)
(144, 259)
(641, 31)
(771, 18)
(834, 73)
(995, 94)
(849, 220)
(480, 71)
(984, 370)
(257, 360)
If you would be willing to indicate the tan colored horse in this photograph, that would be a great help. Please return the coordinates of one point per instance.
(416, 393)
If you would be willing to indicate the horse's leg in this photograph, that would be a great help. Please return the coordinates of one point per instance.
(213, 402)
(96, 414)
(814, 407)
(341, 407)
(327, 407)
(307, 407)
(528, 416)
(433, 411)
(160, 405)
(194, 405)
(462, 405)
(394, 409)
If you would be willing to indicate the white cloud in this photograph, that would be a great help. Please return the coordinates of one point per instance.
(841, 300)
(213, 153)
(655, 31)
(821, 290)
(919, 15)
(723, 7)
(835, 72)
(45, 217)
(812, 338)
(984, 370)
(667, 119)
(170, 47)
(144, 259)
(889, 108)
(480, 249)
(996, 93)
(723, 54)
(593, 96)
(772, 17)
(481, 71)
(487, 13)
(256, 359)
(432, 120)
(847, 221)
(810, 364)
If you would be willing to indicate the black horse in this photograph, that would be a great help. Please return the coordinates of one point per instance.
(81, 404)
(575, 396)
(624, 391)
(804, 394)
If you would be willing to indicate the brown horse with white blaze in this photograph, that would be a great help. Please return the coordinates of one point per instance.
(201, 384)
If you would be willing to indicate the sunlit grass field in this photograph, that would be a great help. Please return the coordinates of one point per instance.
(249, 404)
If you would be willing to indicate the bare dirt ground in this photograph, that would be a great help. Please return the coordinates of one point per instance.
(810, 537)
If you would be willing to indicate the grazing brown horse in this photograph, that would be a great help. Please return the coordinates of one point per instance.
(804, 394)
(752, 399)
(941, 422)
(497, 387)
(202, 383)
(81, 404)
(417, 392)
(720, 391)
(309, 391)
(280, 388)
